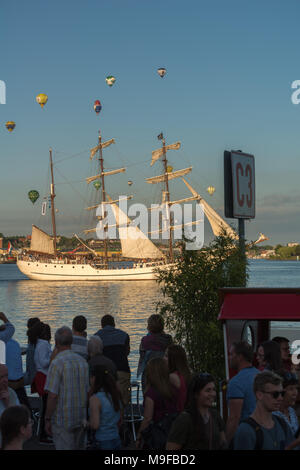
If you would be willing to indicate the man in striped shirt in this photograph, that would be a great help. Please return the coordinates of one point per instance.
(67, 385)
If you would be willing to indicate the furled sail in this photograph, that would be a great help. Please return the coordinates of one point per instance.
(170, 176)
(156, 154)
(99, 146)
(135, 244)
(216, 221)
(104, 173)
(41, 241)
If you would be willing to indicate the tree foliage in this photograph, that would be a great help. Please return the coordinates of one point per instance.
(191, 300)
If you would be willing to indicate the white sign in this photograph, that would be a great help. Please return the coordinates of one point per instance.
(243, 184)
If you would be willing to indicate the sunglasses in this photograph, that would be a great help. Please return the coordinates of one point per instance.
(276, 394)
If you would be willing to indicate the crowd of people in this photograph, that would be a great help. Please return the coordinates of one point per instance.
(84, 387)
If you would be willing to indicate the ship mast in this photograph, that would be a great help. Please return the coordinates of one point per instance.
(169, 213)
(104, 213)
(52, 195)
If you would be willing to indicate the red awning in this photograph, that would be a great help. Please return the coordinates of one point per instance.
(260, 304)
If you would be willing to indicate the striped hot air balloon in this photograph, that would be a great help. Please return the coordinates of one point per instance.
(10, 125)
(211, 190)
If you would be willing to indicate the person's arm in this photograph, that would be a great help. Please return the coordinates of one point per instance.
(173, 446)
(175, 380)
(223, 440)
(293, 444)
(95, 408)
(9, 329)
(148, 415)
(51, 406)
(235, 409)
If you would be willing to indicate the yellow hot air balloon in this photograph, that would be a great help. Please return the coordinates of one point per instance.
(211, 190)
(42, 99)
(169, 169)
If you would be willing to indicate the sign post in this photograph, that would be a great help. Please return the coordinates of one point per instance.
(239, 188)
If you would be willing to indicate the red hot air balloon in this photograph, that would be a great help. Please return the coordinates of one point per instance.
(97, 106)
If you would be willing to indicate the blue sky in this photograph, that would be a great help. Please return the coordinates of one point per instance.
(230, 66)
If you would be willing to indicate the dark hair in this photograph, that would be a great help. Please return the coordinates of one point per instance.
(11, 421)
(155, 323)
(46, 332)
(177, 361)
(244, 349)
(107, 320)
(104, 380)
(32, 321)
(157, 376)
(34, 332)
(79, 323)
(280, 339)
(197, 383)
(272, 355)
(288, 378)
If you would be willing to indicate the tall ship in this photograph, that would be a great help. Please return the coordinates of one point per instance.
(141, 259)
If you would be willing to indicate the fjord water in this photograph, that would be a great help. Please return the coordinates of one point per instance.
(131, 302)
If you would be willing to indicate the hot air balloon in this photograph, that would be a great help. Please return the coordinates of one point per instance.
(169, 169)
(161, 72)
(42, 99)
(97, 106)
(10, 125)
(33, 195)
(211, 190)
(129, 183)
(97, 185)
(110, 80)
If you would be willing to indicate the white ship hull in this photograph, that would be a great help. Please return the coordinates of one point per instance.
(59, 271)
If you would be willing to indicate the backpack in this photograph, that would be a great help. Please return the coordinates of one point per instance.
(156, 434)
(259, 432)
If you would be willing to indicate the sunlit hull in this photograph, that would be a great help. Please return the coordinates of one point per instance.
(59, 271)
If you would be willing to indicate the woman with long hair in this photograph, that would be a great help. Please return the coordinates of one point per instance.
(199, 426)
(16, 427)
(180, 374)
(104, 409)
(160, 397)
(269, 356)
